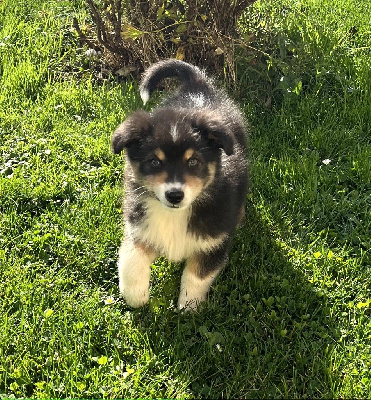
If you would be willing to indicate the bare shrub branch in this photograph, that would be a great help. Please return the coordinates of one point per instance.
(136, 33)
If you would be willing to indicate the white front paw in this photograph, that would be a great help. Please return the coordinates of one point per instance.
(189, 303)
(134, 273)
(136, 295)
(193, 288)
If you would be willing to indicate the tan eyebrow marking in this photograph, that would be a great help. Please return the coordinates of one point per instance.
(188, 154)
(157, 179)
(160, 154)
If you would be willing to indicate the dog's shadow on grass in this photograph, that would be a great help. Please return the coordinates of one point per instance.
(264, 332)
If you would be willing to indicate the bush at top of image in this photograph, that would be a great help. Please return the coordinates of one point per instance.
(132, 34)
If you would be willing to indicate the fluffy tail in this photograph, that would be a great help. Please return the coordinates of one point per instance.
(191, 77)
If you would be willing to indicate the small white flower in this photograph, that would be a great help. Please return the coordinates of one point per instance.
(326, 161)
(109, 300)
(219, 347)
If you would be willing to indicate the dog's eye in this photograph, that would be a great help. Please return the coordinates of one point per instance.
(192, 162)
(155, 163)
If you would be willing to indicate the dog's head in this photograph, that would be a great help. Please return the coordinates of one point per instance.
(174, 154)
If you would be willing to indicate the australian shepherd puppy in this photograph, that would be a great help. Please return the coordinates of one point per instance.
(185, 183)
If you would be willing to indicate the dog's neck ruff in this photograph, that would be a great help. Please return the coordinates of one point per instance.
(166, 230)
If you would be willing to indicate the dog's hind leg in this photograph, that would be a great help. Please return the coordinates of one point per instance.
(134, 264)
(198, 275)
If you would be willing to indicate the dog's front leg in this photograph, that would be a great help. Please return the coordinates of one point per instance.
(134, 264)
(198, 275)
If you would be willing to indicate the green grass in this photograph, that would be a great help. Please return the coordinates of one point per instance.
(288, 318)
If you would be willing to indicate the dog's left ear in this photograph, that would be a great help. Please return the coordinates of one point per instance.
(216, 130)
(131, 131)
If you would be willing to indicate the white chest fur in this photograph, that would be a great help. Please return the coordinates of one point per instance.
(166, 230)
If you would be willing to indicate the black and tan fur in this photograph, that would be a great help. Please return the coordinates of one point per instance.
(185, 183)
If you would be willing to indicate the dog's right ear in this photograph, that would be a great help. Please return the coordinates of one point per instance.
(213, 127)
(131, 131)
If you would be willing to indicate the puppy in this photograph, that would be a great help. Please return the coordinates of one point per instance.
(185, 183)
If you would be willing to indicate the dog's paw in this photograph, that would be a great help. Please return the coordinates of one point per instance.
(189, 303)
(135, 296)
(134, 273)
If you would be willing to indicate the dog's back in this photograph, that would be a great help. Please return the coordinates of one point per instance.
(196, 91)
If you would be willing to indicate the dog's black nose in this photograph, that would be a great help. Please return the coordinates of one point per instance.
(174, 196)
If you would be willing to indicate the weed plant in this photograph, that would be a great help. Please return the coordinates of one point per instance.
(290, 315)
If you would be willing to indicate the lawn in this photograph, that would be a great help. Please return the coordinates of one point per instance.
(290, 315)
